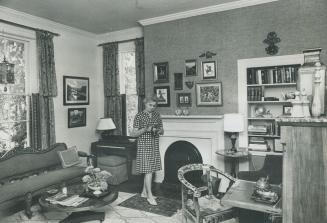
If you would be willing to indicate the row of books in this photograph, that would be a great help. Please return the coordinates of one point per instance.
(269, 128)
(254, 93)
(272, 75)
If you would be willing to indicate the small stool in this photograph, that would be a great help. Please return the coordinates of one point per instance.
(116, 165)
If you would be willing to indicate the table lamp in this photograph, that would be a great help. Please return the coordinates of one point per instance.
(233, 124)
(105, 125)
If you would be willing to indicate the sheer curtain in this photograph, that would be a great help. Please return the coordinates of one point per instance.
(112, 97)
(42, 114)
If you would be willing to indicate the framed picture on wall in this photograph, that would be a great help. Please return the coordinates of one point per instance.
(190, 68)
(183, 100)
(178, 81)
(209, 70)
(209, 94)
(76, 117)
(163, 96)
(160, 72)
(76, 90)
(287, 110)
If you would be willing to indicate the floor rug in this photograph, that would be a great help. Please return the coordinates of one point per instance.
(166, 207)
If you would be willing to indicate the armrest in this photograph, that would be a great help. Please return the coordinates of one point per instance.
(88, 156)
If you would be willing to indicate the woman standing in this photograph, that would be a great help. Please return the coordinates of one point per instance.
(147, 127)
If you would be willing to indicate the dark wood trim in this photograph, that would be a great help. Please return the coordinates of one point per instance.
(25, 27)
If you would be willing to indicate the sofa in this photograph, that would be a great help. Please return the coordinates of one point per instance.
(26, 173)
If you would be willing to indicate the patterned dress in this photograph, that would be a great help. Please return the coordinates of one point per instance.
(148, 155)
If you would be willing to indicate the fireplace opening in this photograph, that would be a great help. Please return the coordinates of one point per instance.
(177, 155)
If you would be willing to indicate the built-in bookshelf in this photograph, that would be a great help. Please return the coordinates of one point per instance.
(265, 102)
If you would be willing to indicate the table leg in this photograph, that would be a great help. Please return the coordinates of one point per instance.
(233, 167)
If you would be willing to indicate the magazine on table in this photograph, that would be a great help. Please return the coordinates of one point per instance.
(64, 200)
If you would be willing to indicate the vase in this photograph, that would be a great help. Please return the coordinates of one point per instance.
(316, 103)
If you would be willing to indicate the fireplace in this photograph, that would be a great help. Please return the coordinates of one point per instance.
(197, 136)
(177, 155)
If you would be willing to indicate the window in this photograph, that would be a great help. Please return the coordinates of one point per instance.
(14, 131)
(127, 73)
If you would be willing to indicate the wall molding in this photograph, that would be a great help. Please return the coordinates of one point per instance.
(203, 11)
(38, 22)
(120, 35)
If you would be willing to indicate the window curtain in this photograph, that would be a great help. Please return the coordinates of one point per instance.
(112, 97)
(42, 115)
(140, 72)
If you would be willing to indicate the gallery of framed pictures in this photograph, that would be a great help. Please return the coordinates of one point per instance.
(163, 95)
(160, 72)
(76, 117)
(209, 94)
(76, 90)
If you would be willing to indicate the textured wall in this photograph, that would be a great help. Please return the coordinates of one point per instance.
(233, 35)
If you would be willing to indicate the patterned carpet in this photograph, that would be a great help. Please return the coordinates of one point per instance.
(166, 206)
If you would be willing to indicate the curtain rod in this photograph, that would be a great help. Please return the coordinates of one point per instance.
(122, 41)
(25, 27)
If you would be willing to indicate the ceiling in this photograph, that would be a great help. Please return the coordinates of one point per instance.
(102, 16)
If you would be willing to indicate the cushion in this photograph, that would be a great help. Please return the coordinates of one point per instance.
(35, 183)
(69, 157)
(111, 160)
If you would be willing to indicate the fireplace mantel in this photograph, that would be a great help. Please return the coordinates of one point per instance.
(205, 132)
(192, 117)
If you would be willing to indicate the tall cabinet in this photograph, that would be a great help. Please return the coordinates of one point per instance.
(304, 170)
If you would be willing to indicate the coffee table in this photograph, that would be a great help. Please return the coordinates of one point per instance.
(83, 212)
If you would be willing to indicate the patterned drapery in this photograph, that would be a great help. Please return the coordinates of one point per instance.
(43, 102)
(112, 97)
(140, 71)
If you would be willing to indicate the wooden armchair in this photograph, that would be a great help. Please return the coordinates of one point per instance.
(200, 197)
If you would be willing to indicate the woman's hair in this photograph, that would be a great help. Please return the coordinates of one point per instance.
(152, 98)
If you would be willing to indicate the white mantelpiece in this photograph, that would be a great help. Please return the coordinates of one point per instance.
(204, 132)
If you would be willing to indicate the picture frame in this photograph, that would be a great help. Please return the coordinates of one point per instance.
(190, 68)
(76, 90)
(209, 94)
(76, 117)
(163, 96)
(209, 69)
(183, 99)
(287, 110)
(160, 72)
(178, 81)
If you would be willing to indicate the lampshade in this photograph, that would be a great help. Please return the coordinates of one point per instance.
(106, 124)
(233, 122)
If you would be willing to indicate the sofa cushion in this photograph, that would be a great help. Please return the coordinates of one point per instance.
(27, 162)
(111, 160)
(69, 157)
(36, 182)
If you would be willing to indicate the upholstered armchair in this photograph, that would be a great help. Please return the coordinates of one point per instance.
(202, 187)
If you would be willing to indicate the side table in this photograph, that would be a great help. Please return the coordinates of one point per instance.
(233, 157)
